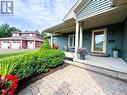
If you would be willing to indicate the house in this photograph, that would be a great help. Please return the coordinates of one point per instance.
(22, 40)
(97, 25)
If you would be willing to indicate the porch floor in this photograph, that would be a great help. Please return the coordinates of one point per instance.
(115, 64)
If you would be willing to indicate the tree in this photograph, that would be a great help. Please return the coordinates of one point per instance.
(6, 30)
(43, 34)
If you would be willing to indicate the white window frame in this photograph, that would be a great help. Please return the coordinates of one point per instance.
(73, 44)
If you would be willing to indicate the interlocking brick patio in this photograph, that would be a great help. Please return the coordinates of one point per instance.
(73, 80)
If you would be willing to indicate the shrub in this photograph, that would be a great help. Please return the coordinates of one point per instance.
(26, 66)
(115, 49)
(38, 62)
(45, 46)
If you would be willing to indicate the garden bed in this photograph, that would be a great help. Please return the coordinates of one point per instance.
(27, 81)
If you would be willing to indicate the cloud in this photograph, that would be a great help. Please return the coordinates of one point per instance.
(37, 14)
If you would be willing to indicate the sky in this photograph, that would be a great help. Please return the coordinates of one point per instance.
(34, 15)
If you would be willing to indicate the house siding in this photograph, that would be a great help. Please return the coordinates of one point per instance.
(87, 38)
(114, 38)
(124, 44)
(61, 41)
(94, 6)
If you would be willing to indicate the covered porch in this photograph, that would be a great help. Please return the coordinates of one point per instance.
(85, 30)
(97, 33)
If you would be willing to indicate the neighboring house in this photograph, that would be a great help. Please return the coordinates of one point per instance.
(98, 25)
(22, 40)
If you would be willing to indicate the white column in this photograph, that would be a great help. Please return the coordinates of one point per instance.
(21, 44)
(81, 36)
(76, 39)
(51, 40)
(34, 44)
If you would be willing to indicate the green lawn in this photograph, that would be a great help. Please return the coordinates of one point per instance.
(6, 55)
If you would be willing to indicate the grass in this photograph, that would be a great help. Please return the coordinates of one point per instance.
(6, 55)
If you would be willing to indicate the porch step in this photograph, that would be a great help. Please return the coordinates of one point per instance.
(99, 54)
(100, 70)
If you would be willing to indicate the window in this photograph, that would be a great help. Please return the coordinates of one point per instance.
(15, 35)
(71, 41)
(54, 40)
(30, 35)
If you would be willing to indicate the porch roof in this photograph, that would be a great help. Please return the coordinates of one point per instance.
(111, 16)
(64, 27)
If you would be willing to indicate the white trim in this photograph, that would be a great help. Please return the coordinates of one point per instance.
(51, 40)
(20, 44)
(84, 6)
(81, 36)
(76, 39)
(34, 44)
(72, 9)
(73, 44)
(105, 42)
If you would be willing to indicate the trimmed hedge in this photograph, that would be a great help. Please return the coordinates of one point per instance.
(35, 62)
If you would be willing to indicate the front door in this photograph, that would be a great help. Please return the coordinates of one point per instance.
(99, 40)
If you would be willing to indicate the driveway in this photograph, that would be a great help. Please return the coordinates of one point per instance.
(13, 50)
(73, 80)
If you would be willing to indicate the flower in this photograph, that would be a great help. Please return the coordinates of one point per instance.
(81, 51)
(55, 47)
(9, 84)
(4, 91)
(12, 78)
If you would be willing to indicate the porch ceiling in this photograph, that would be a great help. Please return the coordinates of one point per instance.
(67, 26)
(116, 15)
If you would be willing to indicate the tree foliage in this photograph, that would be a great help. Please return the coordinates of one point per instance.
(6, 30)
(43, 34)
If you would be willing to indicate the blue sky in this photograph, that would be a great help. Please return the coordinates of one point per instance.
(34, 15)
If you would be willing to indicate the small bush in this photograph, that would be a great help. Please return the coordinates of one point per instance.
(45, 46)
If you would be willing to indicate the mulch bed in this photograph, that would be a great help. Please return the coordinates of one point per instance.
(27, 81)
